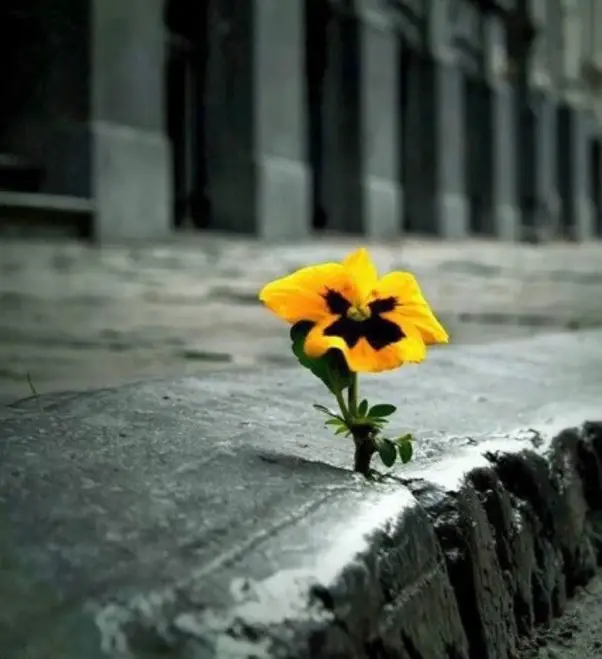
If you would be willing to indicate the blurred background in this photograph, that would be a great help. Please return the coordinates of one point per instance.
(161, 159)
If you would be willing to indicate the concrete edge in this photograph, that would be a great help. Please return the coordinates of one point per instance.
(464, 559)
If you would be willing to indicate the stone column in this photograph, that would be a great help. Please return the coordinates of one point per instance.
(436, 183)
(130, 165)
(502, 215)
(361, 126)
(595, 177)
(255, 119)
(537, 114)
(575, 132)
(381, 116)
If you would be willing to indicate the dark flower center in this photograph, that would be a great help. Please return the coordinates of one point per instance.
(377, 331)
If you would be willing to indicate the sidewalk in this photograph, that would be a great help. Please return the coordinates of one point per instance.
(74, 316)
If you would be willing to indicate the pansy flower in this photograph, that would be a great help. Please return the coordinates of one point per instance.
(378, 324)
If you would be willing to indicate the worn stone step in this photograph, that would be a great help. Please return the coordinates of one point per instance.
(215, 517)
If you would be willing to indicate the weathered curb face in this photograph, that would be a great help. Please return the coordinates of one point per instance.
(215, 518)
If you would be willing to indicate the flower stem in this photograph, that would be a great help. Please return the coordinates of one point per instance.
(335, 387)
(352, 396)
(341, 401)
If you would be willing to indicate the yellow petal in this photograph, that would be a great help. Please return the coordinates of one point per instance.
(316, 344)
(363, 272)
(412, 307)
(363, 358)
(300, 296)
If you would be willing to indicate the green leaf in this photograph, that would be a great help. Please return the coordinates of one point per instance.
(326, 410)
(362, 408)
(377, 423)
(405, 449)
(408, 437)
(386, 450)
(342, 430)
(382, 410)
(335, 422)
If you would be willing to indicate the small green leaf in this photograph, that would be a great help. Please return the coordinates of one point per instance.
(377, 423)
(408, 437)
(342, 430)
(382, 410)
(362, 408)
(405, 450)
(325, 410)
(335, 422)
(386, 450)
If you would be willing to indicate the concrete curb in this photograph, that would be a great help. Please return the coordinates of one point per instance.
(483, 550)
(186, 519)
(462, 561)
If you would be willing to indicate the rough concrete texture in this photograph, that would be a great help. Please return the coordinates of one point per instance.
(73, 316)
(216, 517)
(575, 635)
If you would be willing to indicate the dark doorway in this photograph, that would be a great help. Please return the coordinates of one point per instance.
(317, 14)
(187, 22)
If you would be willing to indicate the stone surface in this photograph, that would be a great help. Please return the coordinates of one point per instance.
(73, 316)
(214, 517)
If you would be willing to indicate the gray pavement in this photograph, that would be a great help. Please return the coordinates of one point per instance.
(75, 316)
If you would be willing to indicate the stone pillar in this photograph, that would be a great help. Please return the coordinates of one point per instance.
(361, 124)
(255, 119)
(380, 126)
(130, 164)
(596, 178)
(537, 115)
(502, 215)
(575, 131)
(436, 183)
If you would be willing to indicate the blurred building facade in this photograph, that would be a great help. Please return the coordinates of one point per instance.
(277, 118)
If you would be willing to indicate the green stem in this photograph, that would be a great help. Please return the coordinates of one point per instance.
(341, 401)
(336, 389)
(352, 396)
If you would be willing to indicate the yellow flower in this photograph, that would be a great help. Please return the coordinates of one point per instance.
(378, 324)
